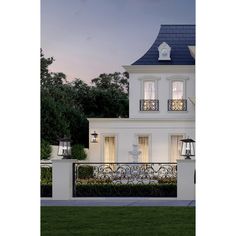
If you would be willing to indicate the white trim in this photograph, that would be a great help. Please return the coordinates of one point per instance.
(192, 51)
(171, 87)
(160, 68)
(149, 78)
(180, 119)
(169, 142)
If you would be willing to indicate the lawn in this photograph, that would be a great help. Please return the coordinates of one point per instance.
(106, 221)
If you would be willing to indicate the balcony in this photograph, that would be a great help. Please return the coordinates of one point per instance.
(149, 105)
(177, 105)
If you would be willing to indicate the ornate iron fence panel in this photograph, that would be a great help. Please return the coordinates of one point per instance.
(125, 173)
(46, 178)
(120, 179)
(149, 105)
(177, 105)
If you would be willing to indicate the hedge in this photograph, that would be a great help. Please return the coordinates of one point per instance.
(46, 175)
(85, 172)
(118, 190)
(126, 190)
(46, 190)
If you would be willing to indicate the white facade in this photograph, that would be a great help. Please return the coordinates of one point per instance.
(161, 110)
(158, 126)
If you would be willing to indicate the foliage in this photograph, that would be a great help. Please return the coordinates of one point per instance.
(126, 190)
(46, 190)
(65, 105)
(85, 172)
(45, 149)
(77, 152)
(46, 175)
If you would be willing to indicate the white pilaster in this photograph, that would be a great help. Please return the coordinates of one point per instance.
(185, 179)
(62, 179)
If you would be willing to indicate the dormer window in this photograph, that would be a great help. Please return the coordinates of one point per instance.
(164, 52)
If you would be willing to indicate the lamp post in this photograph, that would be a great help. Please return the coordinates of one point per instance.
(64, 148)
(187, 148)
(94, 137)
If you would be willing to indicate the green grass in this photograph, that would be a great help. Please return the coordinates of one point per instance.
(106, 221)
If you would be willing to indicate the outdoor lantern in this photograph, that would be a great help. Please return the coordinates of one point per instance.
(64, 148)
(94, 137)
(187, 148)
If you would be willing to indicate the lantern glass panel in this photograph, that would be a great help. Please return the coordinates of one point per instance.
(64, 148)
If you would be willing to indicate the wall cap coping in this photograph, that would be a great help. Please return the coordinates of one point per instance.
(64, 160)
(185, 160)
(139, 119)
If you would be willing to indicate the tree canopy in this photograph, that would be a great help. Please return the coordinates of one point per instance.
(65, 106)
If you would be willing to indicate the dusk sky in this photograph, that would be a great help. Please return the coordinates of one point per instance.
(90, 37)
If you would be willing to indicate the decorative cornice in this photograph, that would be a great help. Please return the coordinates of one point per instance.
(141, 119)
(160, 68)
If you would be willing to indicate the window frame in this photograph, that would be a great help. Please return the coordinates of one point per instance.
(149, 143)
(104, 135)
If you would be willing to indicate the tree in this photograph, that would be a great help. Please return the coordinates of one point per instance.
(65, 106)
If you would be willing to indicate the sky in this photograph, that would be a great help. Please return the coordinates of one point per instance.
(90, 37)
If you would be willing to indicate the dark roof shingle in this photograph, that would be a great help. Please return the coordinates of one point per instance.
(178, 37)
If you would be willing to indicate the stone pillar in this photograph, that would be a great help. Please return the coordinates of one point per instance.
(62, 179)
(185, 179)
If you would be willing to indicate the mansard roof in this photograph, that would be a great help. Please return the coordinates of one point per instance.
(178, 37)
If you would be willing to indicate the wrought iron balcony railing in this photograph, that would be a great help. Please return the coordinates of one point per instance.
(149, 105)
(177, 105)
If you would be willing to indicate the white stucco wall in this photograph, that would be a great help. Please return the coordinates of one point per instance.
(163, 79)
(158, 125)
(127, 130)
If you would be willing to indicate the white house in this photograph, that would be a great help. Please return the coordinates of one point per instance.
(161, 103)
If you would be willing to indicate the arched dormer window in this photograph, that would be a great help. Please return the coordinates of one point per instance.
(164, 52)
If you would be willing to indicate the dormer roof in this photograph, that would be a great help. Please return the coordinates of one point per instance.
(179, 38)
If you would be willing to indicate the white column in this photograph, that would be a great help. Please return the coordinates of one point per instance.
(62, 179)
(185, 179)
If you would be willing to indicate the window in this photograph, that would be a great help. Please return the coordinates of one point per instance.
(143, 143)
(177, 90)
(149, 90)
(109, 149)
(149, 101)
(175, 149)
(177, 101)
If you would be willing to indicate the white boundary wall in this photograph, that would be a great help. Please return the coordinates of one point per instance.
(62, 175)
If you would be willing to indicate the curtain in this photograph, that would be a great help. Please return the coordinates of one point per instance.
(149, 90)
(175, 147)
(109, 149)
(144, 148)
(177, 90)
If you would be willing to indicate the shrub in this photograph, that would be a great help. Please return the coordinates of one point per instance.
(46, 175)
(46, 190)
(77, 152)
(46, 150)
(85, 172)
(126, 190)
